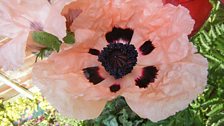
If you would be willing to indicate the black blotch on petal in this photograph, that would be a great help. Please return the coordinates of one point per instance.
(119, 33)
(114, 88)
(149, 76)
(147, 48)
(94, 52)
(92, 74)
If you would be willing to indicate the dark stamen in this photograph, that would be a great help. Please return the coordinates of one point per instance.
(91, 73)
(114, 88)
(118, 59)
(94, 52)
(149, 76)
(147, 48)
(119, 33)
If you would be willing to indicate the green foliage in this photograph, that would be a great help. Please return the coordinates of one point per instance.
(210, 43)
(11, 112)
(52, 117)
(46, 39)
(69, 38)
(50, 42)
(117, 113)
(30, 112)
(43, 53)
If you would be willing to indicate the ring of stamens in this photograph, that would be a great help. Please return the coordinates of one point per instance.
(118, 59)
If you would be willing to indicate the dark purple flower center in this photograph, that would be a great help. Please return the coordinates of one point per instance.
(118, 59)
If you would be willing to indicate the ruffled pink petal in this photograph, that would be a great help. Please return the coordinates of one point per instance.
(85, 35)
(72, 60)
(55, 22)
(85, 109)
(12, 53)
(102, 90)
(166, 21)
(46, 77)
(86, 39)
(63, 92)
(109, 13)
(176, 86)
(62, 81)
(124, 14)
(167, 50)
(64, 70)
(103, 19)
(34, 12)
(36, 15)
(7, 27)
(68, 66)
(25, 13)
(17, 19)
(167, 29)
(69, 61)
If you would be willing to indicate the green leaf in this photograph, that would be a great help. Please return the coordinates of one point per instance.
(46, 39)
(215, 118)
(43, 53)
(220, 122)
(69, 38)
(124, 118)
(216, 109)
(212, 102)
(110, 121)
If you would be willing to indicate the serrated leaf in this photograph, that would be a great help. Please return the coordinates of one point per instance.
(46, 39)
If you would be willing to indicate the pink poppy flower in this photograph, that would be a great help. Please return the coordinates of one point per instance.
(18, 18)
(136, 49)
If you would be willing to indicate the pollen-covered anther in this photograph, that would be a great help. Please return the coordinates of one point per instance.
(118, 59)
